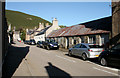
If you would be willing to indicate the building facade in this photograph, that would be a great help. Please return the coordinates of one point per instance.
(16, 36)
(69, 36)
(41, 36)
(40, 33)
(115, 23)
(3, 35)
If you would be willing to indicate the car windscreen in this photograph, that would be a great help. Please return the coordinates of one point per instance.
(52, 41)
(40, 42)
(31, 40)
(95, 46)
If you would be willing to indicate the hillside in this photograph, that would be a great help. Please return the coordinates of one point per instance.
(22, 20)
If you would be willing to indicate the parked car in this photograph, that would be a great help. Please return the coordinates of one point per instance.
(110, 56)
(26, 42)
(86, 50)
(32, 42)
(50, 44)
(40, 43)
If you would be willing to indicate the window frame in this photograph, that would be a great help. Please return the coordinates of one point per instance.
(76, 45)
(83, 45)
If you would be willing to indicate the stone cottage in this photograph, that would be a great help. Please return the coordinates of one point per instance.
(83, 33)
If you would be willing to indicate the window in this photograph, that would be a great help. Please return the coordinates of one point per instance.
(102, 40)
(77, 46)
(83, 46)
(95, 46)
(74, 41)
(90, 39)
(82, 40)
(94, 39)
(117, 47)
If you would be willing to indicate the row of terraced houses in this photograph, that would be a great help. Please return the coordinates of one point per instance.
(96, 32)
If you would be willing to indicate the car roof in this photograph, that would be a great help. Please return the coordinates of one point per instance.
(85, 43)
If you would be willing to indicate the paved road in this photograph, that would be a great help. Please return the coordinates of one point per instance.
(41, 62)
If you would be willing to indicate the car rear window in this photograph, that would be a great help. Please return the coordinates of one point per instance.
(95, 46)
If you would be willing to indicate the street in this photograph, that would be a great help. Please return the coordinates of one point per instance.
(41, 62)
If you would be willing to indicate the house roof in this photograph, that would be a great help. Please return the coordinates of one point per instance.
(30, 32)
(43, 31)
(74, 31)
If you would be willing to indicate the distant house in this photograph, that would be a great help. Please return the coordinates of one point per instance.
(41, 35)
(9, 33)
(29, 34)
(91, 32)
(42, 32)
(16, 36)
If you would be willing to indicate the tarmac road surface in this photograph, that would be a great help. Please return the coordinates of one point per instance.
(37, 61)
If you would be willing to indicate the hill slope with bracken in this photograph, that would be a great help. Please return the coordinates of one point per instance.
(22, 20)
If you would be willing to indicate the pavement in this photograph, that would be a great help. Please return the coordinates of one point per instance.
(63, 50)
(29, 60)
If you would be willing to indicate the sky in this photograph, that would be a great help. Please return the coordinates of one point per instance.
(67, 13)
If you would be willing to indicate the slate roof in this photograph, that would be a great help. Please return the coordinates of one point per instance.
(30, 32)
(43, 31)
(74, 31)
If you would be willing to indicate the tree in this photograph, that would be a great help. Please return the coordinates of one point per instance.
(62, 26)
(22, 33)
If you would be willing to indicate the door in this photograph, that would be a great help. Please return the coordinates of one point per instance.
(81, 50)
(75, 49)
(114, 55)
(67, 43)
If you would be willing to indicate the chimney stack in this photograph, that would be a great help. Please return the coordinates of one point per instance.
(41, 26)
(47, 24)
(55, 22)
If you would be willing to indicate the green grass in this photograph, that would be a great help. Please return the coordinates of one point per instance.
(22, 20)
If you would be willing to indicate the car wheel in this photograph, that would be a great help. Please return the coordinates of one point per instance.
(84, 57)
(103, 62)
(37, 45)
(70, 53)
(48, 48)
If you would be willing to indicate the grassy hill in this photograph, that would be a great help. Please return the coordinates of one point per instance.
(22, 20)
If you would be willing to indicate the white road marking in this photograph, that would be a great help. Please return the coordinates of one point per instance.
(105, 71)
(65, 59)
(113, 69)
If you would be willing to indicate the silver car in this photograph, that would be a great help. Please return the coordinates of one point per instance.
(86, 50)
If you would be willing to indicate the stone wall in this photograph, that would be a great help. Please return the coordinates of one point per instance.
(68, 42)
(115, 22)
